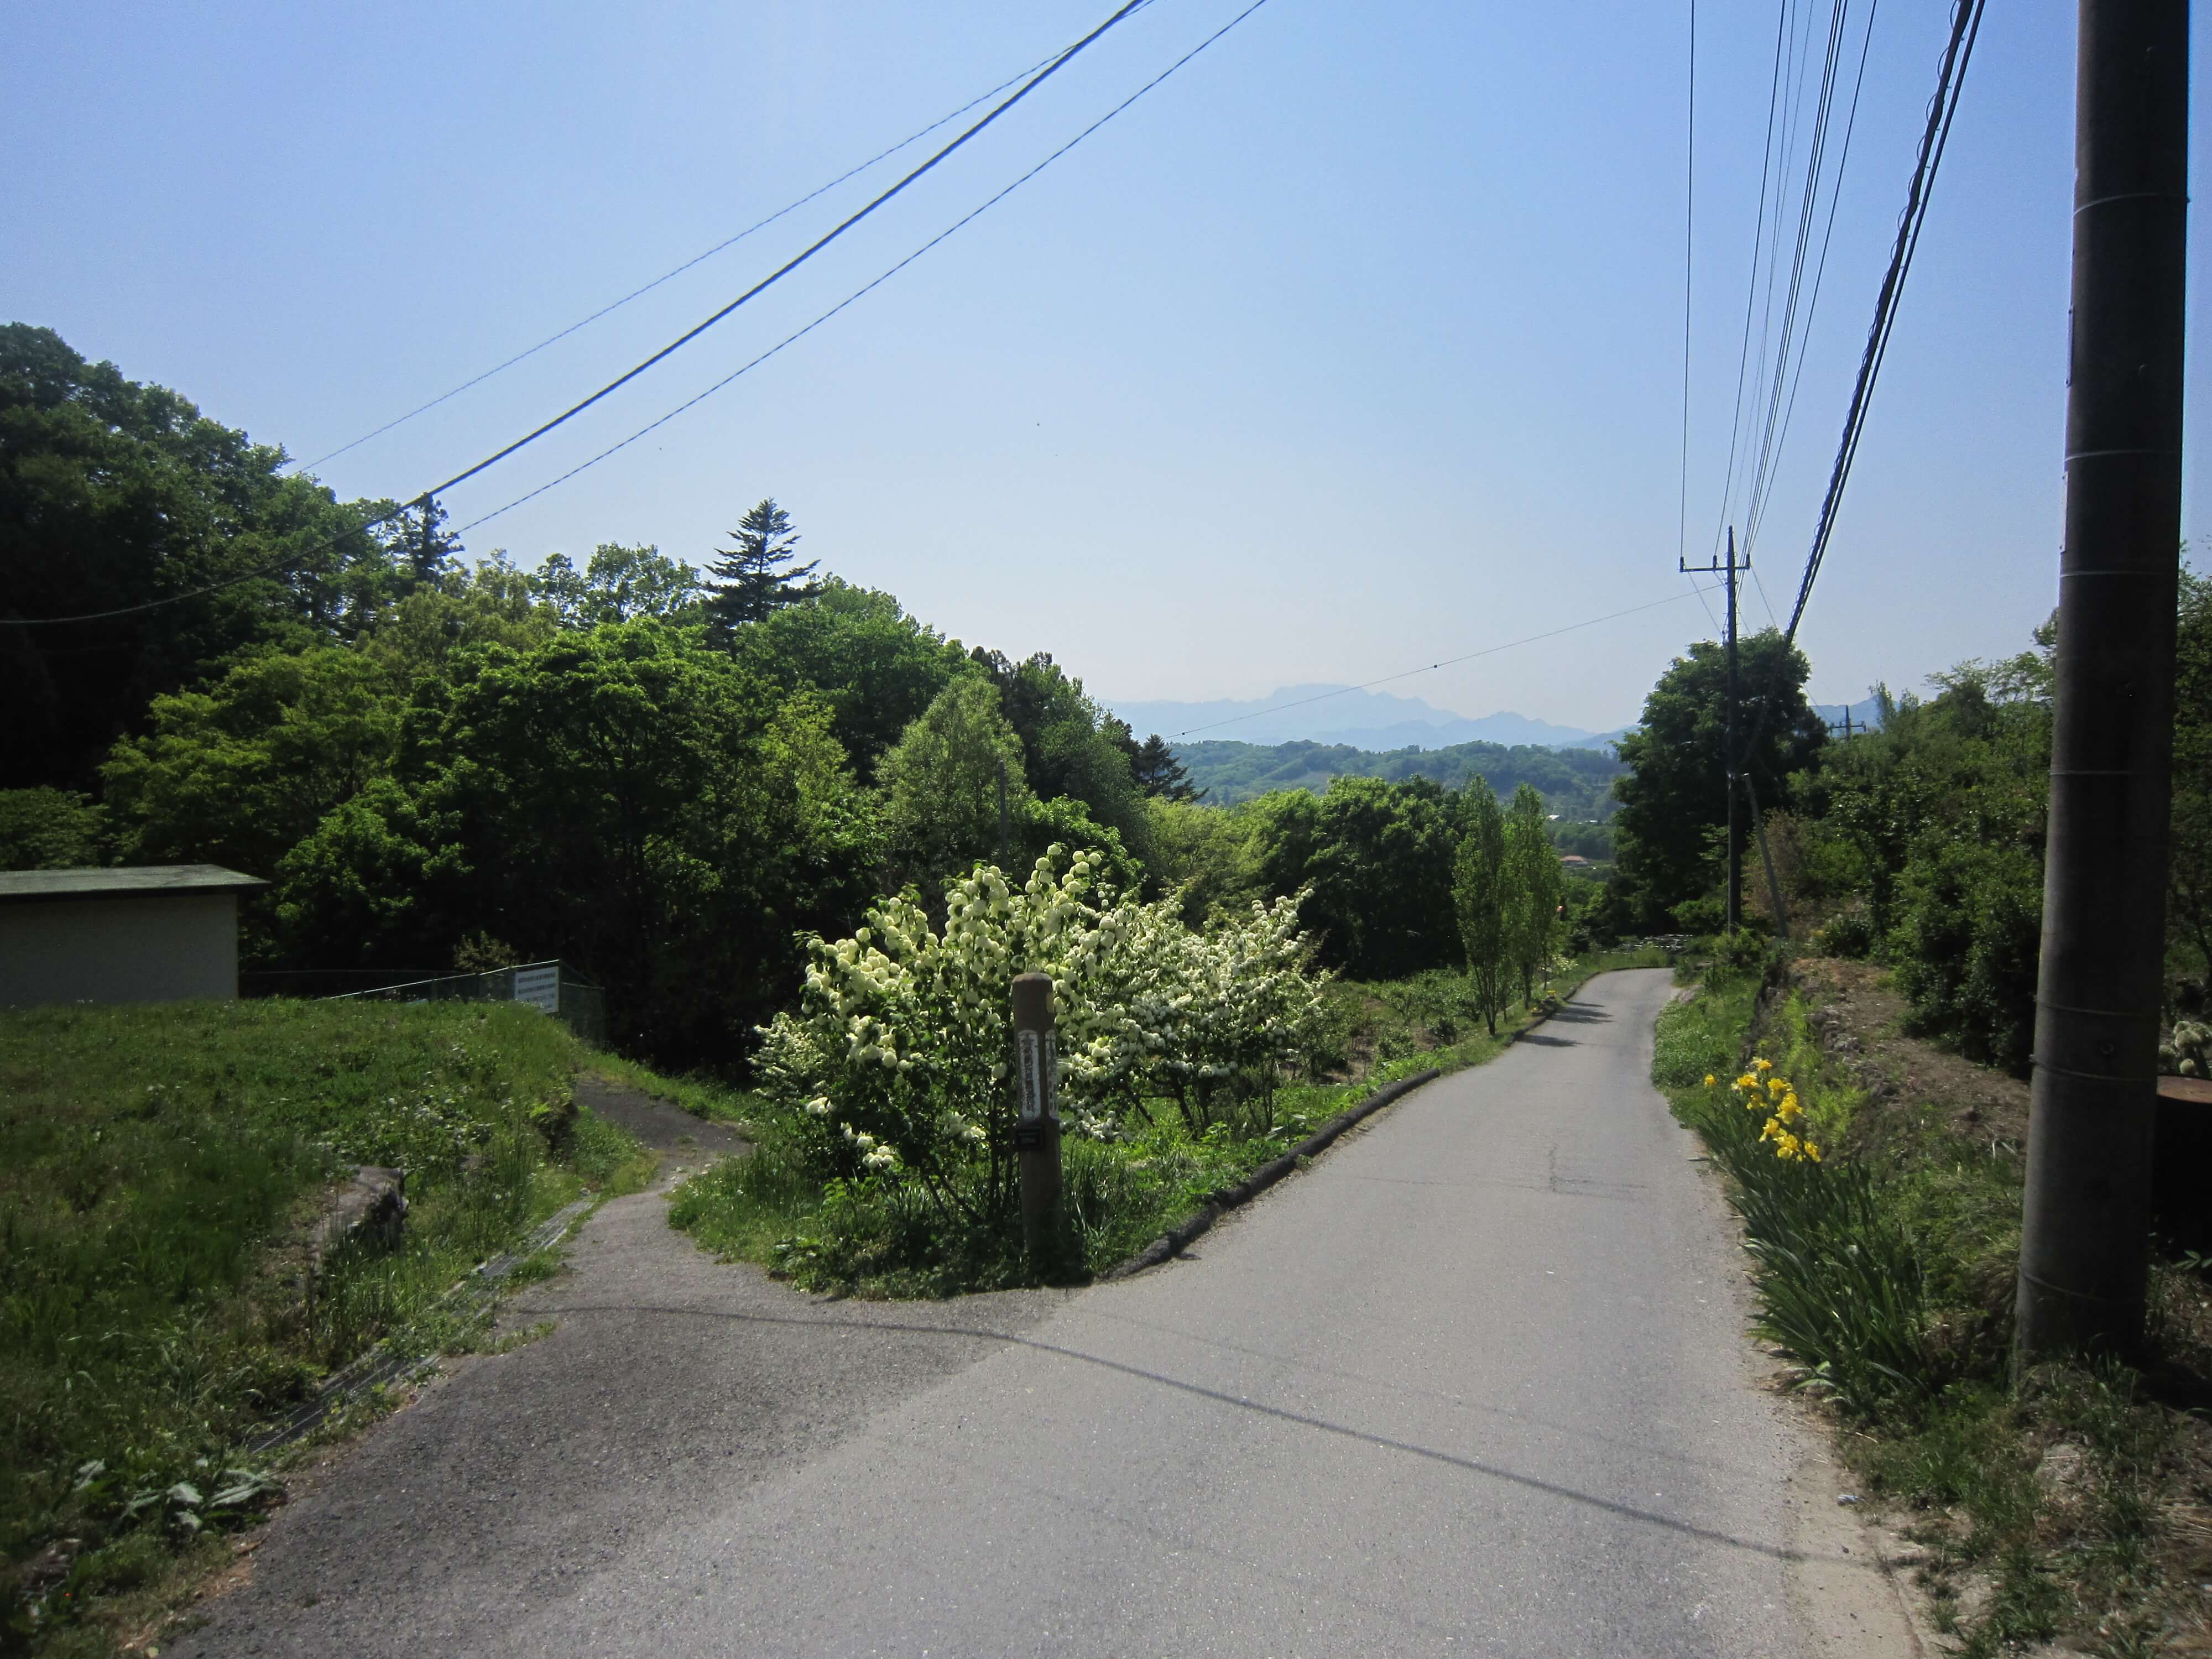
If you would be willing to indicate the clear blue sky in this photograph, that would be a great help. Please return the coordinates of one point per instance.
(1355, 345)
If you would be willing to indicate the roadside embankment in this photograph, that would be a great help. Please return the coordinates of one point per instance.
(2069, 1504)
(176, 1275)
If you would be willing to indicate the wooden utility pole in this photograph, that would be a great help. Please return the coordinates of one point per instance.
(2082, 1265)
(1730, 569)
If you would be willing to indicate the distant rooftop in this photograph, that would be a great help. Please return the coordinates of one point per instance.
(129, 882)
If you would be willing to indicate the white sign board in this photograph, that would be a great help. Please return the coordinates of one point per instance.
(1039, 1063)
(539, 987)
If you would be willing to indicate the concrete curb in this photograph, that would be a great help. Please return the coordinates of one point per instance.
(1218, 1204)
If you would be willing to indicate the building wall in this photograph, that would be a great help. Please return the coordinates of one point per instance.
(160, 948)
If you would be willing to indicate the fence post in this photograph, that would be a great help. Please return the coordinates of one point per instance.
(1037, 1130)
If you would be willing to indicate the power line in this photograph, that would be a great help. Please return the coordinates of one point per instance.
(726, 243)
(1807, 210)
(1430, 668)
(1942, 109)
(1758, 242)
(1689, 244)
(791, 263)
(1758, 514)
(333, 544)
(865, 289)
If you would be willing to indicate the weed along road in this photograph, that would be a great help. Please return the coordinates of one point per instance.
(1477, 1383)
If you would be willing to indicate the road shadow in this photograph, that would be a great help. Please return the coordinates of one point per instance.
(1542, 1041)
(1473, 1466)
(1581, 1013)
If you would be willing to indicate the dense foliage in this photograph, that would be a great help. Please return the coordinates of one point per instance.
(1919, 842)
(1674, 795)
(666, 779)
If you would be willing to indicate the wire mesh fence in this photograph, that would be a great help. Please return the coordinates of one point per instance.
(550, 987)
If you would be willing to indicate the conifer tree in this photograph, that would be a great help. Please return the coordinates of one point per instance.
(1156, 769)
(1533, 884)
(759, 575)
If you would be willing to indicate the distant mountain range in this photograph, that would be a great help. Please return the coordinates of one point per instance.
(1372, 721)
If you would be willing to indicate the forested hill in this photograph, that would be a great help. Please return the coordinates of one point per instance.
(1575, 783)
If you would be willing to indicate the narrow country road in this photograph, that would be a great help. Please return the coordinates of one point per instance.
(1476, 1383)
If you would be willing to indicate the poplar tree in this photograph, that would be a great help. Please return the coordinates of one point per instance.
(1533, 882)
(1479, 895)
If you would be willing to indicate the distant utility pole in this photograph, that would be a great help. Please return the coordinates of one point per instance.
(2083, 1267)
(1730, 569)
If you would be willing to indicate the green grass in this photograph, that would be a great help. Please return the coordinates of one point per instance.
(871, 1239)
(1885, 1274)
(159, 1169)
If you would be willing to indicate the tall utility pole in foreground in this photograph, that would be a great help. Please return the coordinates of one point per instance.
(2083, 1263)
(1731, 570)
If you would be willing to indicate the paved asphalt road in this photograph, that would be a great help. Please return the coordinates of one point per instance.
(1477, 1383)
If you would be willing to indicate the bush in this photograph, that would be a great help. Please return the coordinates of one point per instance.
(1848, 933)
(49, 829)
(896, 1071)
(1700, 916)
(1967, 944)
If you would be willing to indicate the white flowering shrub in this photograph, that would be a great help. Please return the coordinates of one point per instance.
(897, 1064)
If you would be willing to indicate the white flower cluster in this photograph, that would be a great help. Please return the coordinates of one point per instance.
(899, 1052)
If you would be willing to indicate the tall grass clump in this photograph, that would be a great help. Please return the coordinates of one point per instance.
(1839, 1283)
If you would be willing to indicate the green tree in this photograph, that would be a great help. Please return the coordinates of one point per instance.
(113, 493)
(617, 584)
(1533, 893)
(1209, 853)
(759, 575)
(2190, 861)
(1286, 836)
(1675, 791)
(631, 802)
(1159, 775)
(467, 607)
(423, 551)
(1481, 899)
(878, 667)
(1928, 831)
(374, 884)
(239, 773)
(1069, 745)
(50, 830)
(1381, 875)
(942, 783)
